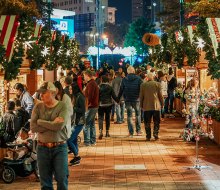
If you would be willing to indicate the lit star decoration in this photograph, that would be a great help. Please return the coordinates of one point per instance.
(200, 43)
(45, 52)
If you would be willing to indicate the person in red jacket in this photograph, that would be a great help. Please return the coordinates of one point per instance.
(92, 103)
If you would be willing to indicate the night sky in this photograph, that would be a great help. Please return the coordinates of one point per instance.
(123, 13)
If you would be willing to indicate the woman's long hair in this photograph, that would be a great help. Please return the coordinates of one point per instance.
(60, 92)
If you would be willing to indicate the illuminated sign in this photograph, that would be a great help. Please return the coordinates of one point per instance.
(66, 26)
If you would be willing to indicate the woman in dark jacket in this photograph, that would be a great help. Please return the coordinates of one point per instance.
(106, 93)
(79, 111)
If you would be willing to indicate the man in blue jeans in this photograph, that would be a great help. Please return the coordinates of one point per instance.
(92, 104)
(130, 89)
(119, 107)
(49, 120)
(172, 84)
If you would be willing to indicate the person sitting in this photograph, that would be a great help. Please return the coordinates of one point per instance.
(9, 122)
(23, 116)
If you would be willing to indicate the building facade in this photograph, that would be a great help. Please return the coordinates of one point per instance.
(111, 14)
(147, 9)
(85, 8)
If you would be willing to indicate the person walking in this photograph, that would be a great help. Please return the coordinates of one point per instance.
(49, 121)
(151, 101)
(120, 107)
(172, 84)
(27, 101)
(92, 103)
(79, 110)
(106, 93)
(67, 83)
(130, 89)
(61, 96)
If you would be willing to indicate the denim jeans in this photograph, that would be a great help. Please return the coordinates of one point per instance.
(89, 128)
(53, 161)
(147, 121)
(136, 106)
(113, 110)
(72, 141)
(104, 111)
(120, 110)
(169, 102)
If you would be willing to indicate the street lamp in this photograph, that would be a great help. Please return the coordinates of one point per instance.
(94, 38)
(98, 30)
(181, 13)
(153, 15)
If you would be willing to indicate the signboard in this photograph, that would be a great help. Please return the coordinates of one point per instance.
(83, 22)
(66, 26)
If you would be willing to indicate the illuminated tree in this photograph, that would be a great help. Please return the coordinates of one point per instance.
(207, 8)
(18, 7)
(135, 33)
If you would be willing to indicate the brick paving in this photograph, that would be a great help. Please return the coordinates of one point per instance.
(161, 163)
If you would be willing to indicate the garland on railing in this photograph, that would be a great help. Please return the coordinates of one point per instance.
(49, 51)
(174, 50)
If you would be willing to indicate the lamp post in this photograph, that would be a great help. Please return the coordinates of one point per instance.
(154, 5)
(49, 13)
(181, 13)
(98, 29)
(94, 38)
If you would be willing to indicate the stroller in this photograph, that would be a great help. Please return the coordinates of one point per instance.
(18, 164)
(21, 160)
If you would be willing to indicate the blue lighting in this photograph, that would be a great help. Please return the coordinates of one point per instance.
(139, 59)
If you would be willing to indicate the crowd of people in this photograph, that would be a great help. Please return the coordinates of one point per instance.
(60, 110)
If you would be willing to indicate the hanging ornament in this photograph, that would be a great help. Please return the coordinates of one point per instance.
(211, 135)
(197, 138)
(210, 122)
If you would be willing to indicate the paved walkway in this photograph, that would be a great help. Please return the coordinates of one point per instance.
(124, 163)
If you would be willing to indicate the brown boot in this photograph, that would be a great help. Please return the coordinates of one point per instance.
(107, 134)
(112, 118)
(100, 135)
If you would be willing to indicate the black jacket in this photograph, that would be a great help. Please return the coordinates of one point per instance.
(106, 93)
(172, 84)
(130, 88)
(79, 109)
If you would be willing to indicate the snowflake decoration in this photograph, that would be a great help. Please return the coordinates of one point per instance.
(45, 52)
(68, 53)
(28, 43)
(59, 52)
(200, 43)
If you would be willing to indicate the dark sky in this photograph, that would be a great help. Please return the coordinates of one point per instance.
(123, 12)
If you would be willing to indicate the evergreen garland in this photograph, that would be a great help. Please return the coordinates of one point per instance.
(213, 61)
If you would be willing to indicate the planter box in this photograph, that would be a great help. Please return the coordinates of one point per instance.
(216, 131)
